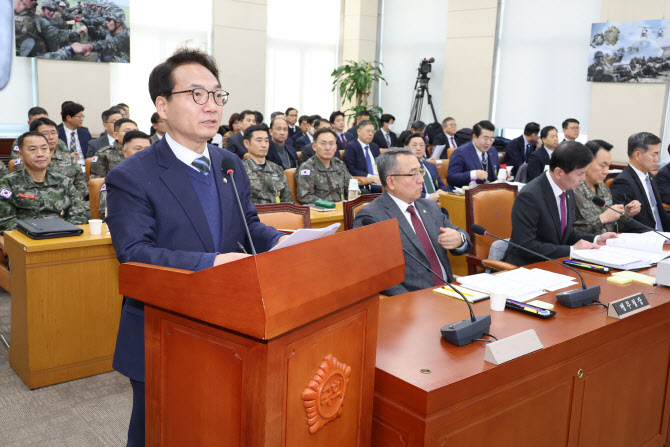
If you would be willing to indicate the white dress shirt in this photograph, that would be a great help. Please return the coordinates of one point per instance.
(184, 154)
(643, 178)
(473, 173)
(68, 134)
(372, 157)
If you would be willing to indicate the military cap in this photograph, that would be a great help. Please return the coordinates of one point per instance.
(116, 14)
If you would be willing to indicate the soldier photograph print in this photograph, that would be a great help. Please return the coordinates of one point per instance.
(630, 52)
(90, 30)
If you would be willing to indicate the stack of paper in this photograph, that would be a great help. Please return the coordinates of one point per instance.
(488, 283)
(617, 258)
(541, 279)
(471, 295)
(307, 234)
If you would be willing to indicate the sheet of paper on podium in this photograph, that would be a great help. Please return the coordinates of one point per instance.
(306, 235)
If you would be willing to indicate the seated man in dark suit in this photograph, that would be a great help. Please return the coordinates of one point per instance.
(72, 131)
(570, 129)
(109, 117)
(307, 151)
(308, 138)
(663, 182)
(445, 140)
(301, 129)
(385, 137)
(235, 143)
(424, 230)
(362, 115)
(417, 126)
(519, 149)
(544, 211)
(433, 186)
(337, 123)
(280, 152)
(475, 161)
(637, 183)
(538, 160)
(360, 154)
(291, 115)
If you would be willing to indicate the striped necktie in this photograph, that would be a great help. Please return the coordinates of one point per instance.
(202, 164)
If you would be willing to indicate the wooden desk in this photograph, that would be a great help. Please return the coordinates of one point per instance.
(456, 207)
(321, 219)
(597, 382)
(65, 306)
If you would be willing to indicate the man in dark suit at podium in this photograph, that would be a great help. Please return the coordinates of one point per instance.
(424, 230)
(169, 205)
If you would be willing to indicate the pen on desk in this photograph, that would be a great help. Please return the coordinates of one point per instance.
(241, 247)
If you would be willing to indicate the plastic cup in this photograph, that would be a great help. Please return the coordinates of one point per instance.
(497, 301)
(95, 226)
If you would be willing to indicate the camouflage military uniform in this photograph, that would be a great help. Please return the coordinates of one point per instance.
(63, 164)
(113, 47)
(587, 213)
(316, 182)
(268, 182)
(3, 169)
(22, 198)
(105, 160)
(47, 37)
(102, 202)
(60, 147)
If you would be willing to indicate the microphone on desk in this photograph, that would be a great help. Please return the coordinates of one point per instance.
(572, 298)
(228, 168)
(600, 202)
(459, 333)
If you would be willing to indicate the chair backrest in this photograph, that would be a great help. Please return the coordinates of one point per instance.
(290, 179)
(522, 174)
(88, 162)
(299, 154)
(351, 207)
(94, 186)
(609, 181)
(284, 216)
(342, 154)
(245, 156)
(11, 165)
(489, 205)
(450, 151)
(442, 167)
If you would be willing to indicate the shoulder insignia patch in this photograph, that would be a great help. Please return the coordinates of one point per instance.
(94, 159)
(16, 149)
(17, 161)
(305, 172)
(104, 187)
(5, 193)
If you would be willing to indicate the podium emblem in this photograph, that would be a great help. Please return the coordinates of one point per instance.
(324, 396)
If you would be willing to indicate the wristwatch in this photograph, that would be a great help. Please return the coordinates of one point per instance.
(463, 238)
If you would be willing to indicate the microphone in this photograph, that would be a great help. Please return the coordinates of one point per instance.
(228, 168)
(600, 202)
(572, 298)
(459, 333)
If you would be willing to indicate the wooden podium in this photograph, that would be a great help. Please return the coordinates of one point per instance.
(276, 350)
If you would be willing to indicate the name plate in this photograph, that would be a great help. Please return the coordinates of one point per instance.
(514, 346)
(625, 307)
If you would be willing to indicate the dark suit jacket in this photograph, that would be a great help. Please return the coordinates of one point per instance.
(82, 133)
(416, 276)
(97, 144)
(514, 153)
(663, 183)
(155, 217)
(536, 224)
(273, 155)
(465, 159)
(537, 160)
(235, 144)
(296, 135)
(626, 187)
(380, 141)
(340, 144)
(292, 132)
(354, 158)
(441, 139)
(437, 180)
(302, 142)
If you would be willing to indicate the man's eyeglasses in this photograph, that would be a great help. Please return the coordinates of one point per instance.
(201, 95)
(417, 175)
(487, 139)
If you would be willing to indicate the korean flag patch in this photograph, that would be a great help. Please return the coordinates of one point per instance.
(17, 161)
(94, 159)
(16, 149)
(6, 193)
(104, 187)
(305, 172)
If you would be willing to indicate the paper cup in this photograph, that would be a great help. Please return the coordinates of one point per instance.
(497, 301)
(95, 226)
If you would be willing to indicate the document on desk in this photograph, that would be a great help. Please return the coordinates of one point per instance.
(648, 241)
(488, 283)
(539, 278)
(306, 235)
(618, 258)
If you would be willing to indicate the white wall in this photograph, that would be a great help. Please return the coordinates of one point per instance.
(411, 32)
